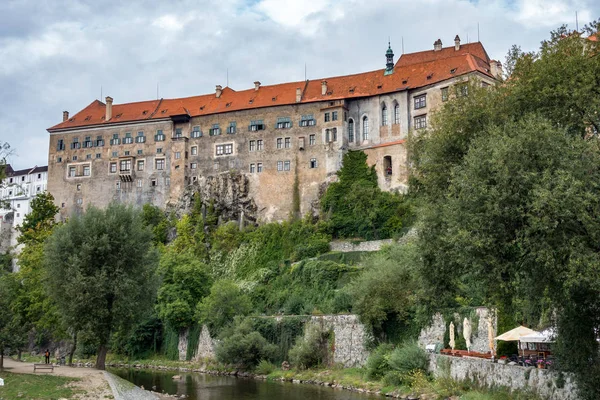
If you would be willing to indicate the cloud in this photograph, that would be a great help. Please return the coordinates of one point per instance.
(57, 55)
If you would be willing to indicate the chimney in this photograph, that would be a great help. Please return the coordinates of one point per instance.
(298, 95)
(496, 69)
(437, 45)
(219, 90)
(109, 101)
(65, 115)
(456, 43)
(256, 85)
(323, 88)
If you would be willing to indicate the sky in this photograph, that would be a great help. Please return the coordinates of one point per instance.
(58, 55)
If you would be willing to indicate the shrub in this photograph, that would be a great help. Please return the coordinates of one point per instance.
(393, 378)
(377, 364)
(264, 367)
(242, 346)
(225, 301)
(311, 350)
(409, 358)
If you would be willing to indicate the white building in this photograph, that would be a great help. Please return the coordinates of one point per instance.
(17, 191)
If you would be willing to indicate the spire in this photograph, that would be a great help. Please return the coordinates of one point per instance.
(389, 56)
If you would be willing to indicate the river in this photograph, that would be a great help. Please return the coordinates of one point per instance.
(198, 386)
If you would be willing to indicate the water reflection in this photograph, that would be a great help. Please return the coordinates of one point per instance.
(208, 387)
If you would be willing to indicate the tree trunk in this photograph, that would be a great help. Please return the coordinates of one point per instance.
(72, 352)
(1, 359)
(19, 352)
(101, 359)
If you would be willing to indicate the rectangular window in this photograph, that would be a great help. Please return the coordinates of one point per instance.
(259, 167)
(128, 139)
(312, 140)
(115, 153)
(214, 131)
(177, 155)
(308, 120)
(160, 164)
(327, 117)
(279, 165)
(115, 139)
(118, 185)
(140, 165)
(140, 152)
(279, 143)
(288, 142)
(113, 167)
(72, 172)
(224, 149)
(196, 132)
(127, 153)
(194, 150)
(60, 145)
(334, 115)
(160, 136)
(194, 165)
(286, 165)
(420, 101)
(421, 122)
(59, 160)
(75, 144)
(231, 129)
(301, 143)
(87, 143)
(140, 138)
(125, 166)
(153, 182)
(98, 155)
(158, 150)
(445, 94)
(178, 132)
(313, 163)
(88, 156)
(259, 145)
(252, 145)
(256, 125)
(463, 90)
(283, 123)
(99, 141)
(139, 183)
(86, 170)
(252, 168)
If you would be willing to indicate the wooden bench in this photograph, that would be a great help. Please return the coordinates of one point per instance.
(43, 366)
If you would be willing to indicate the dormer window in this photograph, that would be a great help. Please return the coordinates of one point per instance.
(215, 130)
(283, 123)
(257, 125)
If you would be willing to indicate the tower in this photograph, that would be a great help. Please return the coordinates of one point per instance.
(389, 56)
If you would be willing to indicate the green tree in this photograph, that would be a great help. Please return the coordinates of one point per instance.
(11, 329)
(40, 217)
(185, 281)
(519, 226)
(101, 272)
(156, 219)
(355, 206)
(225, 301)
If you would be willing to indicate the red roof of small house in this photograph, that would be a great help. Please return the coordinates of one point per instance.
(412, 71)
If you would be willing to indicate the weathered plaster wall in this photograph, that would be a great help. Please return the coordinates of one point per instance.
(539, 381)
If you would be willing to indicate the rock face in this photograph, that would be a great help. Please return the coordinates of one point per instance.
(206, 346)
(229, 193)
(183, 344)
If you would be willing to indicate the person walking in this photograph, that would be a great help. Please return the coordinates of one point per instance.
(47, 356)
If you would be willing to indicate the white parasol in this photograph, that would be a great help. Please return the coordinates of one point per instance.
(467, 332)
(452, 342)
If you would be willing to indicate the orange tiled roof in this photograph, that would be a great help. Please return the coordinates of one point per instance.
(411, 71)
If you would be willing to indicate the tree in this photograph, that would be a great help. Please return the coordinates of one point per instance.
(11, 330)
(101, 272)
(40, 218)
(355, 205)
(185, 282)
(225, 301)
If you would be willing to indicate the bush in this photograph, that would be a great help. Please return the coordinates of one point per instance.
(409, 358)
(242, 346)
(311, 350)
(377, 364)
(225, 301)
(264, 367)
(393, 378)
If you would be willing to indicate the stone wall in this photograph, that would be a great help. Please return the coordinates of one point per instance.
(350, 337)
(435, 332)
(182, 346)
(539, 381)
(346, 246)
(206, 345)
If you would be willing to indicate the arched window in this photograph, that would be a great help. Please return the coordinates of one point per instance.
(351, 130)
(384, 119)
(397, 113)
(365, 128)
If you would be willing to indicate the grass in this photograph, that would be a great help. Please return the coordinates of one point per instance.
(38, 387)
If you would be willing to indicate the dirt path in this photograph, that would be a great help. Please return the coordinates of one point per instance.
(92, 381)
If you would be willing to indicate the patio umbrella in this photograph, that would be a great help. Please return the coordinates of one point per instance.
(545, 336)
(452, 343)
(491, 335)
(515, 334)
(467, 332)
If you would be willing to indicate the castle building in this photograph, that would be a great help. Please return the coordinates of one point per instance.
(273, 144)
(16, 191)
